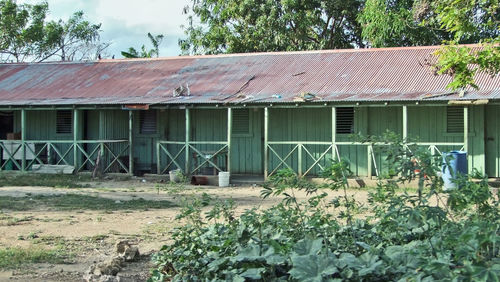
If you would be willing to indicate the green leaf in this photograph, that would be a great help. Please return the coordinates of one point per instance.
(253, 273)
(312, 267)
(308, 246)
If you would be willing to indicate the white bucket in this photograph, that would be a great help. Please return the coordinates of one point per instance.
(223, 179)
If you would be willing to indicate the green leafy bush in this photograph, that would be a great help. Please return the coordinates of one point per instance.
(430, 235)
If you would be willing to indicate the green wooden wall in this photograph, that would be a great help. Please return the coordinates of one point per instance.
(211, 125)
(425, 123)
(247, 151)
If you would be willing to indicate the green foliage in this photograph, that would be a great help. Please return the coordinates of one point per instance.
(144, 53)
(216, 26)
(462, 63)
(408, 237)
(474, 21)
(423, 22)
(26, 35)
(400, 23)
(74, 40)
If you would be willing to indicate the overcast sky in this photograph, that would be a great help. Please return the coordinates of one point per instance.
(125, 23)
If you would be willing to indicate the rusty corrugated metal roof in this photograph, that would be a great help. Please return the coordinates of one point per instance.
(386, 74)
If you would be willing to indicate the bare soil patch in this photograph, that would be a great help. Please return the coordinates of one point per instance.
(83, 224)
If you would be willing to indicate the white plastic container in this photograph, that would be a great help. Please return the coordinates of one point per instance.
(223, 179)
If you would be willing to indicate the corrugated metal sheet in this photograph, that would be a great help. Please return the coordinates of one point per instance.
(390, 74)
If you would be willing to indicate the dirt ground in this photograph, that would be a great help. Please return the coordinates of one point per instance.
(89, 235)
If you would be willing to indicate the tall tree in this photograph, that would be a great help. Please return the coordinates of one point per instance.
(397, 23)
(26, 35)
(70, 40)
(425, 22)
(476, 20)
(144, 53)
(21, 30)
(228, 26)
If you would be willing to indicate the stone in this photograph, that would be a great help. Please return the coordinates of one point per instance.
(109, 267)
(126, 251)
(131, 254)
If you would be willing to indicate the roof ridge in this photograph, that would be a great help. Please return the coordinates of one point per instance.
(249, 54)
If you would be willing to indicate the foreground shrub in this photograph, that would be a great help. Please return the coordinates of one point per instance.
(409, 237)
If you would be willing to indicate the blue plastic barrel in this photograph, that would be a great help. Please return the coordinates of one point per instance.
(457, 164)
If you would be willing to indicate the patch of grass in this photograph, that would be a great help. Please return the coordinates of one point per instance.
(53, 180)
(7, 220)
(50, 240)
(95, 238)
(77, 202)
(16, 257)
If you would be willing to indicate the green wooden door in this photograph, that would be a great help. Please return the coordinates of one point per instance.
(247, 141)
(145, 136)
(492, 140)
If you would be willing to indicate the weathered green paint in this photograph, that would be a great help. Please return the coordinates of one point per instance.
(405, 122)
(247, 151)
(492, 140)
(187, 139)
(466, 129)
(76, 130)
(23, 139)
(266, 140)
(477, 128)
(248, 154)
(229, 131)
(131, 142)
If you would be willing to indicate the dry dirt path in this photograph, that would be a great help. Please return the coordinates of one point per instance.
(89, 234)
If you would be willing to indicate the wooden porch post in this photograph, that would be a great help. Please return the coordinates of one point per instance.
(334, 131)
(466, 129)
(229, 131)
(188, 129)
(76, 121)
(101, 144)
(131, 142)
(266, 139)
(23, 139)
(299, 153)
(405, 122)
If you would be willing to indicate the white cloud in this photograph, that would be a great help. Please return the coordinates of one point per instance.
(125, 23)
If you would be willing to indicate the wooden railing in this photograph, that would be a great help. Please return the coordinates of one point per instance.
(174, 155)
(68, 152)
(301, 151)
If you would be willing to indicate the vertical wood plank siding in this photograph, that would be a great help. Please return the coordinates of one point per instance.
(426, 124)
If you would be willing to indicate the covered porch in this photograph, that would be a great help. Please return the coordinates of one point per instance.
(247, 140)
(65, 136)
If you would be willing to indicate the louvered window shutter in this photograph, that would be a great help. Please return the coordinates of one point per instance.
(241, 121)
(147, 120)
(64, 120)
(345, 120)
(454, 120)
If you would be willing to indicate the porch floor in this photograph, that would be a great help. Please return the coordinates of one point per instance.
(246, 179)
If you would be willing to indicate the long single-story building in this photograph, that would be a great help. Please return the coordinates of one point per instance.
(249, 114)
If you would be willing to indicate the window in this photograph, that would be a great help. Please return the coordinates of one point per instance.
(345, 120)
(241, 122)
(147, 121)
(454, 120)
(64, 122)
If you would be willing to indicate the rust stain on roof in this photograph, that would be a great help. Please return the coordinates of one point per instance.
(386, 74)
